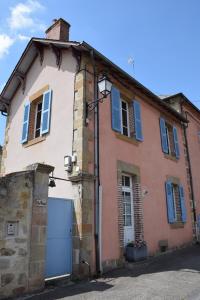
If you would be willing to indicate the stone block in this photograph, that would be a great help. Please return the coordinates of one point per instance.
(2, 243)
(24, 229)
(36, 283)
(20, 214)
(4, 263)
(22, 252)
(19, 291)
(35, 234)
(22, 279)
(37, 252)
(43, 231)
(7, 252)
(86, 228)
(20, 241)
(6, 279)
(39, 219)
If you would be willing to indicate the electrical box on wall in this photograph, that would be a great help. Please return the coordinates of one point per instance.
(74, 158)
(11, 228)
(68, 163)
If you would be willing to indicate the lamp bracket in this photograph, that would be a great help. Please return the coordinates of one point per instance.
(91, 105)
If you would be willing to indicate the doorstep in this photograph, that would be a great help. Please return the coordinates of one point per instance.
(63, 280)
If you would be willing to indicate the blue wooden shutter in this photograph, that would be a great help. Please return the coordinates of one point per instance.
(182, 201)
(116, 109)
(170, 202)
(163, 134)
(46, 111)
(137, 120)
(176, 145)
(25, 122)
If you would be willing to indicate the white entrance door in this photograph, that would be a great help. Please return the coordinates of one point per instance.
(128, 215)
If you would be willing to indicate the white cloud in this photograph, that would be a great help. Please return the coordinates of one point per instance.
(21, 15)
(5, 43)
(22, 37)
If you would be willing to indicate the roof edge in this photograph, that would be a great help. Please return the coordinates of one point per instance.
(184, 98)
(149, 92)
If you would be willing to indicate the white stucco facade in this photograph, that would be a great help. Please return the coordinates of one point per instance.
(58, 142)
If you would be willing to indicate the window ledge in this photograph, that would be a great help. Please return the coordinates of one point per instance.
(128, 139)
(171, 157)
(35, 141)
(177, 225)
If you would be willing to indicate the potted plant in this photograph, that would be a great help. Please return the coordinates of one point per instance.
(136, 250)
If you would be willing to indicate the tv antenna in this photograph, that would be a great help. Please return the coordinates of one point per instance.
(131, 62)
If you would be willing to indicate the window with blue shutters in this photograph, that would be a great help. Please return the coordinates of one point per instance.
(46, 112)
(169, 139)
(126, 116)
(125, 128)
(36, 121)
(182, 204)
(116, 109)
(176, 210)
(164, 138)
(176, 145)
(137, 120)
(25, 125)
(170, 202)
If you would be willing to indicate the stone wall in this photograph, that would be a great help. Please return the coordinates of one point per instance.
(23, 215)
(82, 176)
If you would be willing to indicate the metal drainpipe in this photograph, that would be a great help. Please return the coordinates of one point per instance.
(190, 171)
(96, 166)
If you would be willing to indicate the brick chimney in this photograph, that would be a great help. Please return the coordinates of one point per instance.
(59, 30)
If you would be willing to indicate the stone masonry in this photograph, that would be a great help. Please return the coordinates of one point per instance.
(23, 216)
(82, 176)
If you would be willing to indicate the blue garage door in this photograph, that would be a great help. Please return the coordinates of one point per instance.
(59, 237)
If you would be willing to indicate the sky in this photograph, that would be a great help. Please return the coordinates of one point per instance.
(155, 41)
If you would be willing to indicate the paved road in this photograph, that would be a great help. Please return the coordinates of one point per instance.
(173, 276)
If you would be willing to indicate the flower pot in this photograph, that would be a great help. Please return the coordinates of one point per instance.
(136, 253)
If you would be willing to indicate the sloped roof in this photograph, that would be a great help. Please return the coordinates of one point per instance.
(169, 97)
(31, 52)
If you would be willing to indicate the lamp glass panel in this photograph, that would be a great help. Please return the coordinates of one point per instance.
(102, 85)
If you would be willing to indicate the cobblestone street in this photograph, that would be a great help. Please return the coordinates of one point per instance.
(172, 276)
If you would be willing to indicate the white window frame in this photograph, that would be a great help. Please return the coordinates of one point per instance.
(36, 112)
(174, 201)
(129, 189)
(168, 141)
(127, 114)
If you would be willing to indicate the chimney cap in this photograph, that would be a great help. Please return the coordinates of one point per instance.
(56, 21)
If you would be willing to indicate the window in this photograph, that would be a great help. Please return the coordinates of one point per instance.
(126, 116)
(169, 139)
(127, 200)
(177, 203)
(38, 115)
(176, 209)
(36, 120)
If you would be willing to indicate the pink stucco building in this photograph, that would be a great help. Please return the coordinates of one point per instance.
(192, 140)
(127, 159)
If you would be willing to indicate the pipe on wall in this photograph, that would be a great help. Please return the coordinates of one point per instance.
(190, 172)
(96, 166)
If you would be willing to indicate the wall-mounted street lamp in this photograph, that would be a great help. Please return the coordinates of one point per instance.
(52, 181)
(104, 87)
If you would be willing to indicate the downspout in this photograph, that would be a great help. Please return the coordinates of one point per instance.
(190, 172)
(96, 166)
